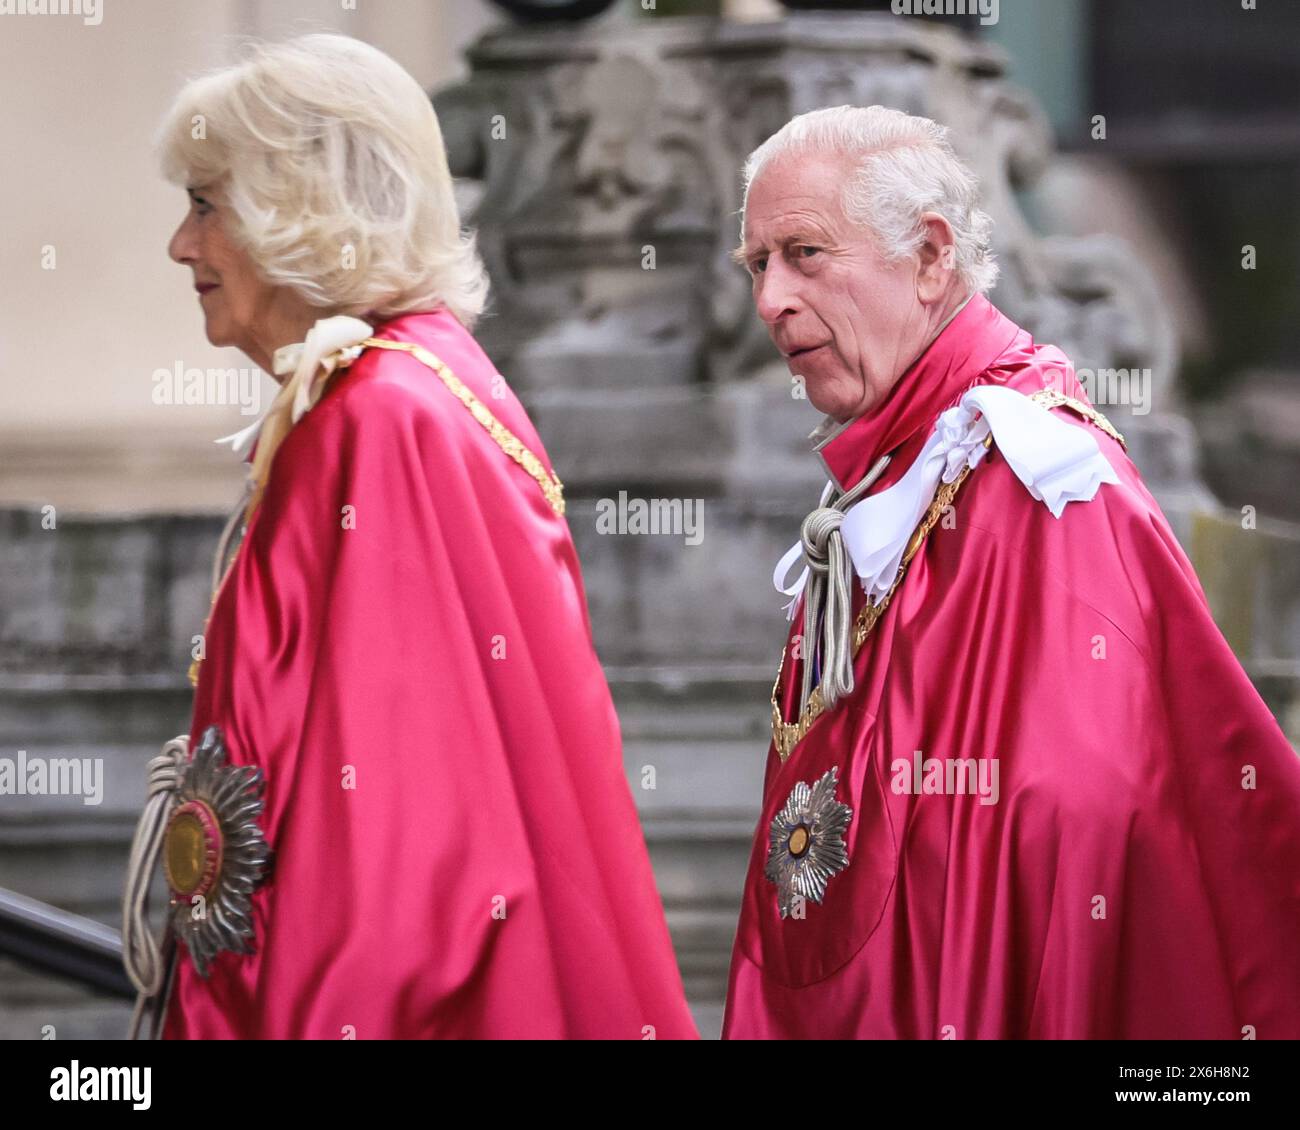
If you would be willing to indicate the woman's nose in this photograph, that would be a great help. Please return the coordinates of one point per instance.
(181, 247)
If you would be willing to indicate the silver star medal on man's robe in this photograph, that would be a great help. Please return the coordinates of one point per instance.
(807, 842)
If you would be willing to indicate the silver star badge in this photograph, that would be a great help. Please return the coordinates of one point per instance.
(214, 854)
(807, 842)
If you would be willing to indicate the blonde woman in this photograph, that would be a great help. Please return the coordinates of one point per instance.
(401, 809)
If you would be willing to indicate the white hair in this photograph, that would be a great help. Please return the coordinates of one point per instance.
(335, 170)
(903, 165)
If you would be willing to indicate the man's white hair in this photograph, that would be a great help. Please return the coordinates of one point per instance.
(902, 166)
(325, 144)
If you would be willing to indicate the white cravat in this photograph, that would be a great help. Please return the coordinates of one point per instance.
(1057, 462)
(330, 344)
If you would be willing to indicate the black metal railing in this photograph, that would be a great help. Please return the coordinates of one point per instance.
(64, 944)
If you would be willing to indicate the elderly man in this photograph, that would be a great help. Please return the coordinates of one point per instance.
(1019, 786)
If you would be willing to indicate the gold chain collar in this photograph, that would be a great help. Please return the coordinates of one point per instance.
(512, 445)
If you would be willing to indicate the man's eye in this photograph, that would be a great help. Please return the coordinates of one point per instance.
(201, 206)
(758, 266)
(806, 252)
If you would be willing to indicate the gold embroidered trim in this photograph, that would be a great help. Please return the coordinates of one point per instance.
(552, 488)
(1051, 398)
(786, 735)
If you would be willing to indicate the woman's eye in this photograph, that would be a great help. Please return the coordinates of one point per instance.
(201, 206)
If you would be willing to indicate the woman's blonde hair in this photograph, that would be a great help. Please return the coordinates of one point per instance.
(334, 167)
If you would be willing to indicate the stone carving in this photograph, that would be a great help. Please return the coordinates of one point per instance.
(608, 160)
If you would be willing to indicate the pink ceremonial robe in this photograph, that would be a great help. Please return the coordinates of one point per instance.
(486, 874)
(1139, 874)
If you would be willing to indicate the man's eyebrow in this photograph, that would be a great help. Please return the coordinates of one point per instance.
(745, 252)
(742, 254)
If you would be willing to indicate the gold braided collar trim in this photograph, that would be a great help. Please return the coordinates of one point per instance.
(512, 445)
(786, 735)
(1050, 398)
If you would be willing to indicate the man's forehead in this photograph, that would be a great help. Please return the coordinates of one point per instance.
(797, 219)
(793, 196)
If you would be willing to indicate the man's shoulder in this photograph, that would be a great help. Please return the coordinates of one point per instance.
(1043, 374)
(1121, 516)
(1115, 552)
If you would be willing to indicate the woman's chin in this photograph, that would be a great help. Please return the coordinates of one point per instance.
(217, 334)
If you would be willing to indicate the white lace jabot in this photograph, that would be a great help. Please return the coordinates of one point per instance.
(1057, 462)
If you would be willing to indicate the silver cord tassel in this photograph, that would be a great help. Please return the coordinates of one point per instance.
(830, 574)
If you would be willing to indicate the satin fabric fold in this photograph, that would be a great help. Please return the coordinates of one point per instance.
(403, 647)
(1124, 884)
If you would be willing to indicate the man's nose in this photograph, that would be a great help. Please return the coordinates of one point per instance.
(774, 294)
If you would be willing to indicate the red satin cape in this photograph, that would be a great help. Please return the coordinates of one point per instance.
(407, 612)
(1125, 884)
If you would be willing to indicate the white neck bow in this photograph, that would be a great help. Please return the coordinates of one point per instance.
(332, 343)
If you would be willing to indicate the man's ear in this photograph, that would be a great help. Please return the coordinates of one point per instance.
(937, 258)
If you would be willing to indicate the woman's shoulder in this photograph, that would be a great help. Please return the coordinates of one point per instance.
(431, 398)
(433, 333)
(418, 364)
(427, 374)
